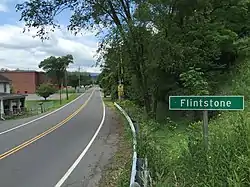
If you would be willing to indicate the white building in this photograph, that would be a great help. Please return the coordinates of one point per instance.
(9, 103)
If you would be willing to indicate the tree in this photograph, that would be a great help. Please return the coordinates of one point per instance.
(73, 80)
(56, 67)
(150, 43)
(66, 60)
(85, 79)
(112, 14)
(45, 90)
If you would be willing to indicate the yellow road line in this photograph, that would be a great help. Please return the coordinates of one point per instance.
(28, 142)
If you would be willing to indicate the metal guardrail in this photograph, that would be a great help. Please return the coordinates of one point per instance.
(140, 176)
(134, 162)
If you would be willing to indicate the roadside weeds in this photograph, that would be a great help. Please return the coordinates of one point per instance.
(117, 172)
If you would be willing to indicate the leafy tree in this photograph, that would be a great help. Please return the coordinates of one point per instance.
(156, 48)
(56, 67)
(45, 90)
(73, 80)
(150, 43)
(113, 15)
(66, 60)
(194, 82)
(85, 79)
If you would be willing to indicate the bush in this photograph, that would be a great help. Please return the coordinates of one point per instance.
(178, 158)
(45, 90)
(226, 163)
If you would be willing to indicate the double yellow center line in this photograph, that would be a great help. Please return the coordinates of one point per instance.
(28, 142)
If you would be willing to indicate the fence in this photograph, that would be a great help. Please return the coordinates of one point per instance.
(139, 172)
(33, 108)
(28, 111)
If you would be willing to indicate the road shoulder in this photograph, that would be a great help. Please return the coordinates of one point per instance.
(116, 173)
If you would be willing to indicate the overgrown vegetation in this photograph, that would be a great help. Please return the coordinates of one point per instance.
(117, 173)
(159, 48)
(175, 148)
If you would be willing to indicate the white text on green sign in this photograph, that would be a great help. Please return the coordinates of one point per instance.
(206, 103)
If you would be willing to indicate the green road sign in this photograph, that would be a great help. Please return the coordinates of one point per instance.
(206, 102)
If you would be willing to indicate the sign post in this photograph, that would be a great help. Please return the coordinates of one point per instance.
(205, 128)
(206, 103)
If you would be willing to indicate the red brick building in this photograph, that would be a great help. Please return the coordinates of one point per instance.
(25, 82)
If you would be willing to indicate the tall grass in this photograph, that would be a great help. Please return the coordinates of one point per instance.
(225, 163)
(177, 156)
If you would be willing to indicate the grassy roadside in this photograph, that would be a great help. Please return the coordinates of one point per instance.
(117, 173)
(175, 148)
(55, 103)
(177, 157)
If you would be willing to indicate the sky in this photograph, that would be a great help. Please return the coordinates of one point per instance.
(21, 50)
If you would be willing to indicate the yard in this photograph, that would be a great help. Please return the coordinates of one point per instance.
(47, 105)
(33, 107)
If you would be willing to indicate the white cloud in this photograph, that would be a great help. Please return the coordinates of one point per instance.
(3, 8)
(21, 50)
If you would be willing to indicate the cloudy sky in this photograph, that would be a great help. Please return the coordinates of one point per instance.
(21, 50)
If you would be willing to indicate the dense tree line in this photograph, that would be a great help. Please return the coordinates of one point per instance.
(177, 47)
(155, 47)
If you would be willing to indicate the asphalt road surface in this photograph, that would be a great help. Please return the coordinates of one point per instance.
(61, 149)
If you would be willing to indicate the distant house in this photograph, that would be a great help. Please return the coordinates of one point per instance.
(25, 82)
(9, 103)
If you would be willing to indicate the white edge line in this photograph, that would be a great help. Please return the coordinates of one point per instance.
(24, 124)
(78, 160)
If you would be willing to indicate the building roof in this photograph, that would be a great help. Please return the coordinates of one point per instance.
(11, 96)
(21, 71)
(4, 79)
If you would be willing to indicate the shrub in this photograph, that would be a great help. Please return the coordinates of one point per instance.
(45, 90)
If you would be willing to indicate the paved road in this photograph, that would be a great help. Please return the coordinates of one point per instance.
(53, 150)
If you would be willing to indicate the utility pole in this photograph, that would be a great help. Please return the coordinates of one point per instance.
(66, 83)
(79, 69)
(61, 92)
(120, 75)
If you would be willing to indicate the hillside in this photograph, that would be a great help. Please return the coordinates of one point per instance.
(175, 148)
(189, 48)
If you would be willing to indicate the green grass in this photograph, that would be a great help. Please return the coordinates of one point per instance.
(117, 174)
(175, 149)
(51, 104)
(33, 107)
(35, 103)
(64, 101)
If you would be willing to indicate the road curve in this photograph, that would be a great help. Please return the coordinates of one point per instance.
(51, 151)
